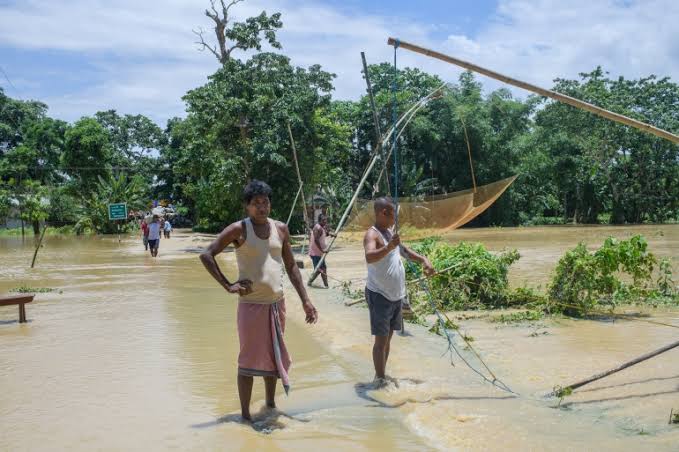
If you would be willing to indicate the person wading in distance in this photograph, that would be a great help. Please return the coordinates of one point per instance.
(262, 248)
(154, 235)
(317, 247)
(386, 283)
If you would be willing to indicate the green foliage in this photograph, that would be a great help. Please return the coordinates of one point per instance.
(477, 279)
(572, 166)
(27, 289)
(5, 203)
(94, 216)
(87, 154)
(521, 316)
(448, 324)
(236, 130)
(665, 283)
(584, 280)
(562, 393)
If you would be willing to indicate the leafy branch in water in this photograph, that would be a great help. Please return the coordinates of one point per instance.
(349, 292)
(477, 279)
(521, 316)
(584, 280)
(26, 289)
(561, 393)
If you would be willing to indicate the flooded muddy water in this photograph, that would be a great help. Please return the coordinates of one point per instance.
(541, 247)
(140, 354)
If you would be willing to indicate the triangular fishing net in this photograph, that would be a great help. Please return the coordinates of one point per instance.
(434, 213)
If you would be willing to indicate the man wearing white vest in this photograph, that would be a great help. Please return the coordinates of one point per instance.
(385, 288)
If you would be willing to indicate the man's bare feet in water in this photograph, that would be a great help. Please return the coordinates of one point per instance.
(392, 380)
(247, 419)
(379, 383)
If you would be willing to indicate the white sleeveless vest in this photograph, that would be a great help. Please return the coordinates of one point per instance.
(261, 262)
(388, 275)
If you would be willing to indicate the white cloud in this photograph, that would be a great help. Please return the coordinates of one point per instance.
(146, 55)
(540, 40)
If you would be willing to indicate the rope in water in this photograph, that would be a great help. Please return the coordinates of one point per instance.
(493, 380)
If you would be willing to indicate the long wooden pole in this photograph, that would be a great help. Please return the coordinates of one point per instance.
(373, 159)
(35, 254)
(541, 91)
(619, 368)
(378, 132)
(294, 204)
(299, 179)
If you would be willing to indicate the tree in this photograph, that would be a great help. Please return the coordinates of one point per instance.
(94, 215)
(236, 130)
(87, 155)
(601, 166)
(33, 203)
(239, 35)
(132, 137)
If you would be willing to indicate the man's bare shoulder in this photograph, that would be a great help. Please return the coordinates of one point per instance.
(282, 227)
(236, 226)
(369, 235)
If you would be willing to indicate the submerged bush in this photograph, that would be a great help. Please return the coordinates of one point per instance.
(477, 280)
(583, 280)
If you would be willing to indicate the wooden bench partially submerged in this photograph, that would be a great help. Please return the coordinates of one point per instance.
(21, 300)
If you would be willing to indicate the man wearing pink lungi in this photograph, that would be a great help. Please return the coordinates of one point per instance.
(262, 248)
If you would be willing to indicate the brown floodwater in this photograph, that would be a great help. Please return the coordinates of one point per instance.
(541, 247)
(139, 354)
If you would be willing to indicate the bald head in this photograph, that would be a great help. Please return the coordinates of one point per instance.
(383, 202)
(384, 212)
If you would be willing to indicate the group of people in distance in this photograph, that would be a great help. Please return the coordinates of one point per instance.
(262, 248)
(151, 232)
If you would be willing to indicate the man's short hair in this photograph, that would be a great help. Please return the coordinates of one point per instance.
(383, 202)
(322, 217)
(256, 188)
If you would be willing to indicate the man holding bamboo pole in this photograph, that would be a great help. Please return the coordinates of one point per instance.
(386, 283)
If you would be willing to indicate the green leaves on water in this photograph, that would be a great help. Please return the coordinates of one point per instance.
(621, 271)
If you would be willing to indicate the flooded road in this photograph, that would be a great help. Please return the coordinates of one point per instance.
(139, 354)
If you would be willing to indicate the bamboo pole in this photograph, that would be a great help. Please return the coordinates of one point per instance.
(35, 254)
(373, 159)
(376, 121)
(354, 302)
(301, 186)
(618, 368)
(541, 91)
(469, 153)
(439, 272)
(294, 204)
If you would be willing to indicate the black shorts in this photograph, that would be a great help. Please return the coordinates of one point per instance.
(154, 243)
(385, 315)
(315, 260)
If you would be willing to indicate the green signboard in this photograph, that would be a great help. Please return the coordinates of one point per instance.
(117, 211)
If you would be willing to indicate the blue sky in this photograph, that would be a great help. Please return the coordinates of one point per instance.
(81, 56)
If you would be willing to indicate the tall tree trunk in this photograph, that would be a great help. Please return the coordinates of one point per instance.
(36, 227)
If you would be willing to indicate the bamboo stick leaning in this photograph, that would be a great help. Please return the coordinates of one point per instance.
(538, 90)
